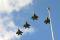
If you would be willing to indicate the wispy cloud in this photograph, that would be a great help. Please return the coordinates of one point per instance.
(10, 5)
(5, 30)
(8, 29)
(7, 26)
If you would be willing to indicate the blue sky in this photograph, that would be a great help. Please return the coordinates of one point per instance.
(41, 30)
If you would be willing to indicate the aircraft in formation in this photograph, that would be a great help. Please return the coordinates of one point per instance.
(19, 32)
(34, 17)
(47, 20)
(26, 25)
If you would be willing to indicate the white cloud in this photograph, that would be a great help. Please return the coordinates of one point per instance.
(8, 29)
(5, 30)
(10, 5)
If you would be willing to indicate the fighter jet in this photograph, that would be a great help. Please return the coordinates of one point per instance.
(47, 20)
(49, 8)
(19, 32)
(35, 17)
(26, 25)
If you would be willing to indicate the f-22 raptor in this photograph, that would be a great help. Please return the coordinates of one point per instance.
(47, 20)
(19, 32)
(35, 17)
(26, 25)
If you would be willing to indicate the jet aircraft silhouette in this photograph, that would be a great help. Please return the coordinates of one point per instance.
(47, 20)
(48, 8)
(26, 25)
(19, 32)
(35, 17)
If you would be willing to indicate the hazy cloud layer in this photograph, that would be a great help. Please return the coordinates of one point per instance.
(10, 5)
(8, 29)
(7, 25)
